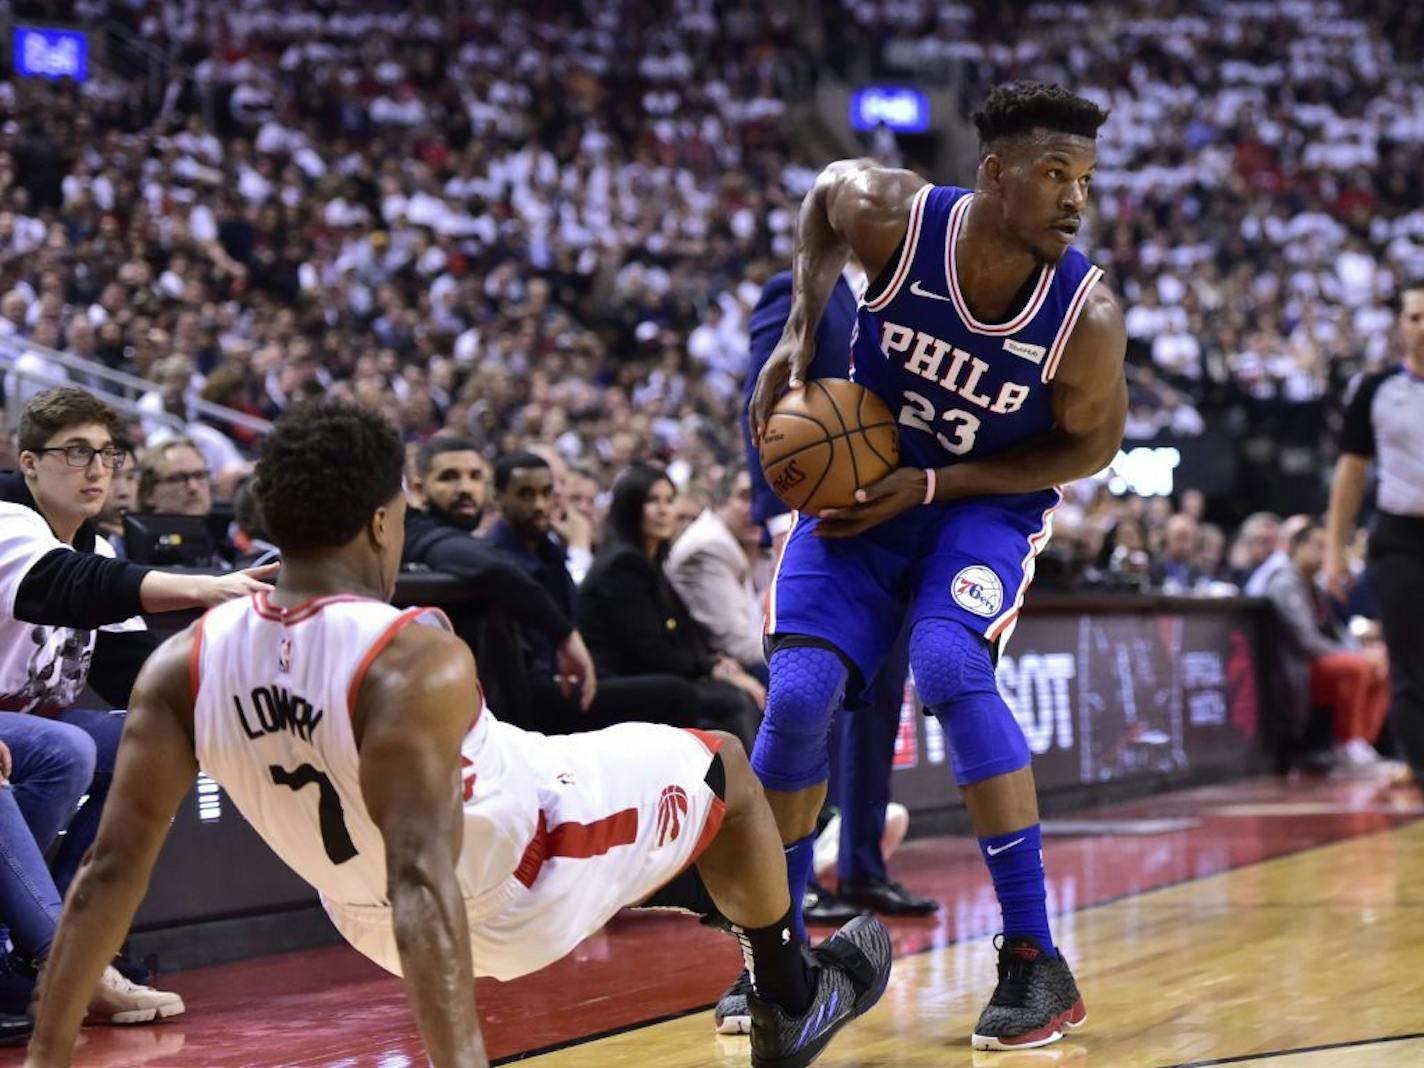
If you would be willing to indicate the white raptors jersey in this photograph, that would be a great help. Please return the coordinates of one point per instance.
(273, 692)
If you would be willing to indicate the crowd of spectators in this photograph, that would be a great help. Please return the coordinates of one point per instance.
(534, 224)
(455, 214)
(1256, 194)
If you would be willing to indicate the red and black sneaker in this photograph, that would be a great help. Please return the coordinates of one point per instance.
(1035, 1002)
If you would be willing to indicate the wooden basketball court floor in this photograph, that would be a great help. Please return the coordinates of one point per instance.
(1271, 924)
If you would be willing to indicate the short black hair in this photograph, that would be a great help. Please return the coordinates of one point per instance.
(510, 462)
(324, 470)
(246, 511)
(425, 455)
(1017, 109)
(1413, 285)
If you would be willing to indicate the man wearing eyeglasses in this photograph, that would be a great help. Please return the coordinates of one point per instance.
(175, 480)
(59, 585)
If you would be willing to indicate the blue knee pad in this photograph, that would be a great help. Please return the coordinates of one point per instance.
(954, 675)
(792, 748)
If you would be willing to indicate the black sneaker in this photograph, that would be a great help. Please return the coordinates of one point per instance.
(821, 908)
(15, 1029)
(1035, 1002)
(853, 968)
(731, 1015)
(887, 897)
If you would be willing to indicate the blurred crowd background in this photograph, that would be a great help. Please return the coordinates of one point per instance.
(546, 225)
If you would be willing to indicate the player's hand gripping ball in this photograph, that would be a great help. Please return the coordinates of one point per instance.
(824, 442)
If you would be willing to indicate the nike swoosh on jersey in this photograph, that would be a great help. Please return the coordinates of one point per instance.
(919, 291)
(994, 852)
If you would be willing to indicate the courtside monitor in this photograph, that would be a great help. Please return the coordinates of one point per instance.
(168, 540)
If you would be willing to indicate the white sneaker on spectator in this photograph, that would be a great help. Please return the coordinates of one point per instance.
(1347, 762)
(116, 1000)
(1362, 753)
(828, 842)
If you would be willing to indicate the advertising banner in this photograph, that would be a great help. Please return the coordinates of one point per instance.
(1105, 697)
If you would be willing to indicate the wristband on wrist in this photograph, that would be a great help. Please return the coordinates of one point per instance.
(929, 485)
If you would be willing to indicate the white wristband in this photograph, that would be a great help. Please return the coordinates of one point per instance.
(929, 485)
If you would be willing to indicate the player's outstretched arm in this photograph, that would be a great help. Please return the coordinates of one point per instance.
(414, 708)
(1089, 409)
(855, 206)
(155, 770)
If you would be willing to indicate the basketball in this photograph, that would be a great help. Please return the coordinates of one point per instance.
(826, 441)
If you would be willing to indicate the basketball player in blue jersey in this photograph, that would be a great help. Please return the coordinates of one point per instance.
(988, 336)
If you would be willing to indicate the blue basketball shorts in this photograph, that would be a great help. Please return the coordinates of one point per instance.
(969, 560)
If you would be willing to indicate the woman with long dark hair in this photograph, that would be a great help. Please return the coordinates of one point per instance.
(636, 624)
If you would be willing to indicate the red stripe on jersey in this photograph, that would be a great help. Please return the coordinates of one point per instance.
(957, 215)
(377, 647)
(907, 256)
(579, 841)
(304, 611)
(710, 830)
(1060, 344)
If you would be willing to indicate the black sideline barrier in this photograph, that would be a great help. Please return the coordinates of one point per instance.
(1114, 692)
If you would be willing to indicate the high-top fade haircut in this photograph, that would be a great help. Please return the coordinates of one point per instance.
(324, 470)
(1017, 110)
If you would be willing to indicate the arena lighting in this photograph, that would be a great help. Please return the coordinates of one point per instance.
(1144, 470)
(51, 53)
(897, 107)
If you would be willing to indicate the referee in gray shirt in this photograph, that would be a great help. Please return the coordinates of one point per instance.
(1384, 422)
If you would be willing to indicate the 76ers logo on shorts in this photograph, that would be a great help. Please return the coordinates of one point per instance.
(977, 589)
(672, 807)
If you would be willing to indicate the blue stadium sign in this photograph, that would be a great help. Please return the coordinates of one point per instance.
(900, 108)
(48, 53)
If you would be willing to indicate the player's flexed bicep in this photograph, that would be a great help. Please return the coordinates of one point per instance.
(855, 206)
(1090, 390)
(417, 702)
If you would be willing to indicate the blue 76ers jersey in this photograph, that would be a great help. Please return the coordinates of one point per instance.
(958, 388)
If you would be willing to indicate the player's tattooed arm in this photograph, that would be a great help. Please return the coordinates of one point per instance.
(413, 710)
(155, 771)
(1089, 408)
(1089, 413)
(856, 206)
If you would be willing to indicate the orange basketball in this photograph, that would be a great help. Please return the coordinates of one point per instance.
(826, 441)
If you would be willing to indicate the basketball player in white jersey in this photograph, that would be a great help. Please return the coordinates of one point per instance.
(443, 843)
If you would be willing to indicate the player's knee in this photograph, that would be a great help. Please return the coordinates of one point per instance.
(949, 661)
(954, 674)
(792, 748)
(736, 767)
(729, 746)
(740, 785)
